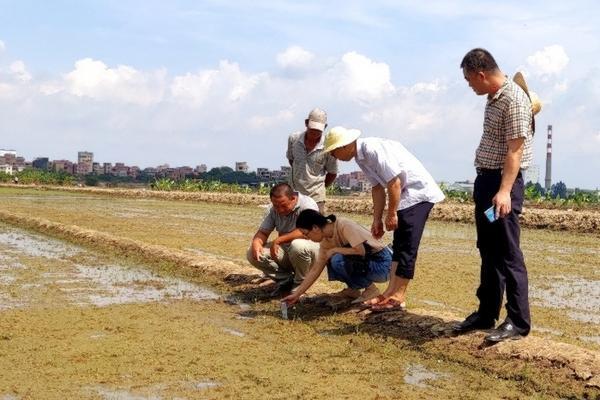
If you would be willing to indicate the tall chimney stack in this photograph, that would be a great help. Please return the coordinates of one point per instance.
(549, 160)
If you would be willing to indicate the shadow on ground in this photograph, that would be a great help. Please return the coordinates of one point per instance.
(413, 328)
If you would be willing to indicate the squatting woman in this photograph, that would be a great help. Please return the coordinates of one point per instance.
(350, 253)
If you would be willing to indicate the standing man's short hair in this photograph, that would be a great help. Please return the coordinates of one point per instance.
(282, 189)
(479, 60)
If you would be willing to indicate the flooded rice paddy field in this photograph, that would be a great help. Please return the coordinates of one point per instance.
(76, 324)
(564, 268)
(100, 327)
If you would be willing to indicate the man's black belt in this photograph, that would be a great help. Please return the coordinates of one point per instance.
(488, 171)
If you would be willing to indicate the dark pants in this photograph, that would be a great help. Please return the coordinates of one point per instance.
(407, 237)
(502, 264)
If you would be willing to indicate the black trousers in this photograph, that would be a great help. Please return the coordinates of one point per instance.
(407, 237)
(502, 263)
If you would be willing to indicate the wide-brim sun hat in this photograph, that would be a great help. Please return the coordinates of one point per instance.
(339, 136)
(536, 103)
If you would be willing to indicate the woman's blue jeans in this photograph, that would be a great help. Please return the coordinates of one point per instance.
(360, 272)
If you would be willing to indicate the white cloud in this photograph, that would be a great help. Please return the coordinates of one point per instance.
(261, 122)
(227, 82)
(424, 87)
(551, 60)
(400, 117)
(295, 57)
(561, 86)
(420, 121)
(359, 78)
(92, 78)
(50, 88)
(19, 71)
(6, 91)
(2, 46)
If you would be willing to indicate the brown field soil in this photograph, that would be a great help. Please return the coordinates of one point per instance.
(189, 349)
(585, 221)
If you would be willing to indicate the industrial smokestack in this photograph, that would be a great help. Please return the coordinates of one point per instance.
(549, 160)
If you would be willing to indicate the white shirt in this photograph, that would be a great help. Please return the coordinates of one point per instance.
(383, 160)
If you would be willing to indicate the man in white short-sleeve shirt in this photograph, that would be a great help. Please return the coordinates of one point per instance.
(411, 194)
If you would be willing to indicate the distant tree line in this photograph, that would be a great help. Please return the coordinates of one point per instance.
(227, 180)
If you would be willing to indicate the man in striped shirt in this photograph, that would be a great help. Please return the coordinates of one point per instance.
(504, 150)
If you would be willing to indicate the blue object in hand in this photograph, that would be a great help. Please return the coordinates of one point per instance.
(490, 213)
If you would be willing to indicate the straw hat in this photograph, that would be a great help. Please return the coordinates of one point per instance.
(536, 104)
(339, 137)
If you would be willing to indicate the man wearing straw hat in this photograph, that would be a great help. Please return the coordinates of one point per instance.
(503, 152)
(411, 193)
(312, 169)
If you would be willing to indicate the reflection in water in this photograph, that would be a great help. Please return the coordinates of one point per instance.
(51, 267)
(580, 296)
(417, 375)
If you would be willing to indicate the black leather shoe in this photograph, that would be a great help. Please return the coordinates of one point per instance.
(473, 322)
(504, 331)
(283, 288)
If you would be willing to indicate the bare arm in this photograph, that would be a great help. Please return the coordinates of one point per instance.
(317, 268)
(285, 238)
(288, 237)
(394, 191)
(512, 164)
(311, 277)
(329, 179)
(378, 194)
(258, 242)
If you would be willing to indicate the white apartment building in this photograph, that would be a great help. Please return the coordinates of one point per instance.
(6, 168)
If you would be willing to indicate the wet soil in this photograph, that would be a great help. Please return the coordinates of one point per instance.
(328, 350)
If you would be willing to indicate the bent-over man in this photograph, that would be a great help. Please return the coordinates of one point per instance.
(411, 194)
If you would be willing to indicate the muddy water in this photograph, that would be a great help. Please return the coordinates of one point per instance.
(419, 376)
(579, 297)
(32, 265)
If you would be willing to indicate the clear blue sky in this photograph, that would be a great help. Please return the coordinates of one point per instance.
(191, 82)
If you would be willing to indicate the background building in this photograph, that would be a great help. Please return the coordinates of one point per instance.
(40, 163)
(85, 162)
(532, 174)
(263, 173)
(241, 166)
(6, 169)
